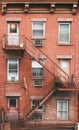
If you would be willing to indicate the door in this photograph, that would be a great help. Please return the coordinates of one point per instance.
(13, 34)
(13, 108)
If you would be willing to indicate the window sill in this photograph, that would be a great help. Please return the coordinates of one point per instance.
(64, 44)
(59, 119)
(38, 86)
(33, 78)
(35, 38)
(12, 82)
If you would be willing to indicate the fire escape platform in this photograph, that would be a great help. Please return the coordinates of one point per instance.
(33, 125)
(7, 48)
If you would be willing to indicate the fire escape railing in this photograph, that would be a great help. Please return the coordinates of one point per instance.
(13, 40)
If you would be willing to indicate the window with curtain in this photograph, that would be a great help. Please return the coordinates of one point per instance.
(62, 109)
(64, 33)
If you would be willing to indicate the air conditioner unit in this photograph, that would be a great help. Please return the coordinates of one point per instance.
(13, 78)
(38, 42)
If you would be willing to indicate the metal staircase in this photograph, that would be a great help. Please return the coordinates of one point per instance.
(45, 93)
(60, 78)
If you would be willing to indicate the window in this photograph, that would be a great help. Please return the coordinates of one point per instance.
(12, 102)
(37, 69)
(37, 72)
(13, 69)
(36, 116)
(35, 102)
(38, 29)
(13, 28)
(62, 109)
(64, 33)
(64, 64)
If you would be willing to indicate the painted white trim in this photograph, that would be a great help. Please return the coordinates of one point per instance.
(38, 19)
(13, 19)
(64, 56)
(64, 19)
(12, 94)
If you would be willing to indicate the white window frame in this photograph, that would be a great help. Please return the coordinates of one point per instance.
(17, 74)
(39, 109)
(63, 42)
(43, 36)
(9, 98)
(58, 117)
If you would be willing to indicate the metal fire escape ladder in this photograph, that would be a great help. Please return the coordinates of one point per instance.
(47, 63)
(47, 91)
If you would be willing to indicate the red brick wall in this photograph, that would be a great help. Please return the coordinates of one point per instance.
(51, 48)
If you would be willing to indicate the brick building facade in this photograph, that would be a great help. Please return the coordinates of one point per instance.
(39, 64)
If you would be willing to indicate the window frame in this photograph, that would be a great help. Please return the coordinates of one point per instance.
(8, 74)
(67, 111)
(39, 74)
(63, 42)
(39, 109)
(36, 67)
(65, 69)
(9, 98)
(43, 29)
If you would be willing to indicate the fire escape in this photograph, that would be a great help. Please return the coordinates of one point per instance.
(60, 79)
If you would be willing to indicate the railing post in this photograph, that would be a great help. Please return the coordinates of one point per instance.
(3, 41)
(2, 115)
